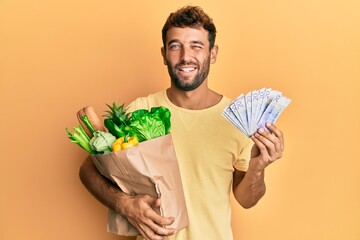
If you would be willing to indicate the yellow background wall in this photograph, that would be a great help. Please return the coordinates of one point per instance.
(58, 56)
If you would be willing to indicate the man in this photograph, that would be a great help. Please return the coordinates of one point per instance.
(213, 156)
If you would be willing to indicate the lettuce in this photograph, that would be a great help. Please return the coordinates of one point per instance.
(151, 124)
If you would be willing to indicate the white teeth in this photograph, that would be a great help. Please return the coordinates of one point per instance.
(187, 69)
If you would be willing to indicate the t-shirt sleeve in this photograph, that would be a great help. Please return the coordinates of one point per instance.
(152, 100)
(242, 163)
(139, 103)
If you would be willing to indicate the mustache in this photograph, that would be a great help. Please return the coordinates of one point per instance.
(183, 62)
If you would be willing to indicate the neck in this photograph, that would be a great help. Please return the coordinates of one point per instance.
(200, 98)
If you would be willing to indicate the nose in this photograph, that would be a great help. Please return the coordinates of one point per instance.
(185, 53)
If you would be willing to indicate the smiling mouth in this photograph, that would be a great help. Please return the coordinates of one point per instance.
(187, 69)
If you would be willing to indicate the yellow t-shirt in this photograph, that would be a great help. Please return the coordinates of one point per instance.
(208, 148)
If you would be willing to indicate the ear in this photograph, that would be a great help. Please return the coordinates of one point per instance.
(163, 54)
(213, 54)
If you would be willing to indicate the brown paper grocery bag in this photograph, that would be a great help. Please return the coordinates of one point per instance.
(150, 168)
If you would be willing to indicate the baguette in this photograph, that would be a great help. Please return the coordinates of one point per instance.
(93, 118)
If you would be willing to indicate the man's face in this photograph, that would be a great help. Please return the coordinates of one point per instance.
(188, 56)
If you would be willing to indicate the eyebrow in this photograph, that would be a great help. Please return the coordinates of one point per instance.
(192, 42)
(172, 41)
(198, 42)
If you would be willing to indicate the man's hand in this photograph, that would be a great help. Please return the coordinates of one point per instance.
(139, 211)
(268, 147)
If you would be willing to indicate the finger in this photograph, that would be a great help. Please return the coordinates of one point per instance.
(144, 218)
(265, 137)
(157, 202)
(163, 221)
(153, 231)
(143, 230)
(272, 142)
(158, 219)
(148, 233)
(153, 203)
(160, 230)
(143, 234)
(268, 140)
(261, 146)
(156, 222)
(149, 200)
(277, 133)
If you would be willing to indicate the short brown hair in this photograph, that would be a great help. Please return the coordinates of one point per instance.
(190, 16)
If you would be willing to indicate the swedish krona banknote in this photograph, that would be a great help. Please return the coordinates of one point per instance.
(251, 111)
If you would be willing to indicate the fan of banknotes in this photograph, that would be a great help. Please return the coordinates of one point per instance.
(253, 110)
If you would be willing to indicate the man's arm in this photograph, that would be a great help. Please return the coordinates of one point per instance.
(249, 187)
(100, 187)
(138, 210)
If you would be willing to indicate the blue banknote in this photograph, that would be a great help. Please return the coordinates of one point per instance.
(251, 111)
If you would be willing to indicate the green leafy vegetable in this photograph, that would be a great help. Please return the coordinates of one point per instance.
(164, 114)
(147, 125)
(143, 124)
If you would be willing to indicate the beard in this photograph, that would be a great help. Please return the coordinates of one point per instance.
(198, 79)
